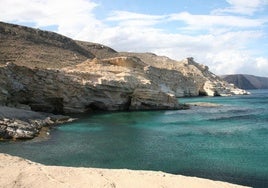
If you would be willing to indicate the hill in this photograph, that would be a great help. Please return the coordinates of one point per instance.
(245, 81)
(53, 73)
(43, 49)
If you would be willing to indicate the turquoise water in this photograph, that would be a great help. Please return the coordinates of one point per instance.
(228, 143)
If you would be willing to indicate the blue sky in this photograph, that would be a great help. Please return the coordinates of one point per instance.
(230, 36)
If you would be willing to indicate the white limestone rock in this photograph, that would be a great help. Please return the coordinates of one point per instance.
(119, 83)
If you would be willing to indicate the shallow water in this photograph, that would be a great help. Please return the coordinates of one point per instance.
(228, 142)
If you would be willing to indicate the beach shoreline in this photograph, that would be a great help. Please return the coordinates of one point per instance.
(19, 172)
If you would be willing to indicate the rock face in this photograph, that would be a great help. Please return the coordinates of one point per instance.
(148, 99)
(244, 81)
(95, 77)
(186, 77)
(92, 85)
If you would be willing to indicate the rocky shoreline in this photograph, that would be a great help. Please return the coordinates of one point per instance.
(18, 172)
(26, 124)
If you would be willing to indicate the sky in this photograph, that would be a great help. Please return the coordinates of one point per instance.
(229, 36)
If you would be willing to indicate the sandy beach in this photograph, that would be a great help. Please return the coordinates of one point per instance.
(19, 172)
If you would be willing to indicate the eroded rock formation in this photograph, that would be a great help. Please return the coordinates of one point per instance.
(120, 83)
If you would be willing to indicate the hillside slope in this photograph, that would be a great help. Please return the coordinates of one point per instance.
(245, 81)
(36, 48)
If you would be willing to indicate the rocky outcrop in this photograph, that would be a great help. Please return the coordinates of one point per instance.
(25, 124)
(18, 129)
(220, 88)
(189, 78)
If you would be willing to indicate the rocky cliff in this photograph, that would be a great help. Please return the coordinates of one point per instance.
(91, 85)
(52, 73)
(245, 81)
(187, 77)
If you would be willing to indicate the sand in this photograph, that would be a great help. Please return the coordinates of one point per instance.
(18, 172)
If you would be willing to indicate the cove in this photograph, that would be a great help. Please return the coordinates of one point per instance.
(227, 142)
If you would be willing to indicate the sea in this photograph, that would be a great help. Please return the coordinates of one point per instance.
(227, 142)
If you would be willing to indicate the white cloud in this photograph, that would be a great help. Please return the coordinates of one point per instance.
(256, 66)
(245, 7)
(229, 60)
(261, 62)
(124, 15)
(70, 16)
(205, 21)
(234, 62)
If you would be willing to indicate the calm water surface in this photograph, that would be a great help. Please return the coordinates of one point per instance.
(228, 143)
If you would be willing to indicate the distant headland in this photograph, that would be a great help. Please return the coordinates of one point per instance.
(245, 81)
